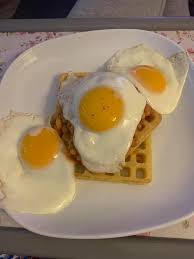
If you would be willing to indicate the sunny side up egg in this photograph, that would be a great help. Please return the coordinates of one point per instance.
(159, 79)
(105, 109)
(35, 175)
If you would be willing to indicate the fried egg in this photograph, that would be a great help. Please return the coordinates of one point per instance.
(159, 79)
(35, 175)
(105, 109)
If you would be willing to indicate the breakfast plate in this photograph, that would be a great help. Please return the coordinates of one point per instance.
(101, 209)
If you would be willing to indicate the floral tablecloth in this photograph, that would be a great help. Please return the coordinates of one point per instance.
(12, 44)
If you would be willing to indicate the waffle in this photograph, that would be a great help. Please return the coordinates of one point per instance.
(137, 169)
(150, 120)
(138, 159)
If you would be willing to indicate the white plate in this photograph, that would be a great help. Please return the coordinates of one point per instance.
(103, 209)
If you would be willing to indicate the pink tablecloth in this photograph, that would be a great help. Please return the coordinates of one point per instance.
(12, 44)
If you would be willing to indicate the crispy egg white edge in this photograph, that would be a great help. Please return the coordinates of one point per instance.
(4, 123)
(178, 65)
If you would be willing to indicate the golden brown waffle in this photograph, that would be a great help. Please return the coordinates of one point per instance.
(138, 160)
(137, 169)
(150, 120)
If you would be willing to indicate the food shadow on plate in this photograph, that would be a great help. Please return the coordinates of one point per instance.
(102, 68)
(51, 97)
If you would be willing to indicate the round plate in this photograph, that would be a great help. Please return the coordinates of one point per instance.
(103, 209)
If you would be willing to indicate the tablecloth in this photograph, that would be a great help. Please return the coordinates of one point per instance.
(13, 44)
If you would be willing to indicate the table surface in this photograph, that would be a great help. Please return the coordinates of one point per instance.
(22, 242)
(11, 45)
(86, 24)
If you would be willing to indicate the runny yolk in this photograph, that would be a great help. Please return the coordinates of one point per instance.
(39, 147)
(101, 108)
(150, 77)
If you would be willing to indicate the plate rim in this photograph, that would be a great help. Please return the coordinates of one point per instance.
(104, 235)
(18, 58)
(107, 235)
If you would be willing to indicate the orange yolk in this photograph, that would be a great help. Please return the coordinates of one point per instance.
(101, 108)
(39, 147)
(151, 78)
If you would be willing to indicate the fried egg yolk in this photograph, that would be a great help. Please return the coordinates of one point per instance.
(151, 78)
(101, 108)
(39, 147)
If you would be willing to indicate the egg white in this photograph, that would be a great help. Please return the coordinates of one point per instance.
(26, 190)
(103, 151)
(166, 101)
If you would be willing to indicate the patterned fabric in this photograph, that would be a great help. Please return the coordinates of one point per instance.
(13, 44)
